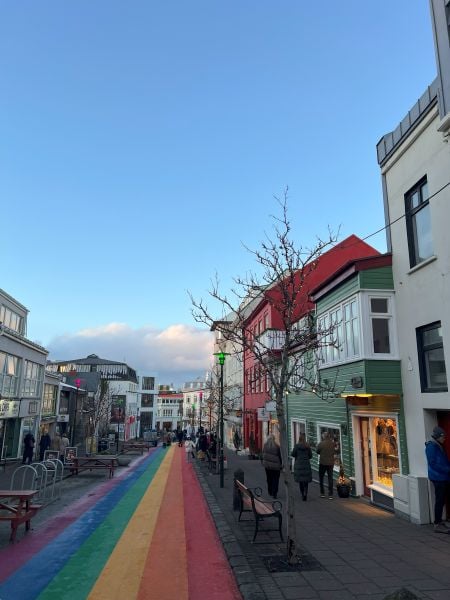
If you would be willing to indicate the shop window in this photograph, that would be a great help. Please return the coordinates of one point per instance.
(418, 223)
(385, 436)
(430, 347)
(335, 435)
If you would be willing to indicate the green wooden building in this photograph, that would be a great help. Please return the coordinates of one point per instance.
(358, 398)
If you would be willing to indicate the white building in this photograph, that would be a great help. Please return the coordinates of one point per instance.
(196, 411)
(415, 168)
(169, 405)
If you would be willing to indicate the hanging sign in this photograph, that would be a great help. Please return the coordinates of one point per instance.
(9, 409)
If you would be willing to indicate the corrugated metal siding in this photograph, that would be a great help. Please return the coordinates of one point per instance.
(376, 279)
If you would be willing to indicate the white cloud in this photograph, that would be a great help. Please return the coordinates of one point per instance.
(178, 353)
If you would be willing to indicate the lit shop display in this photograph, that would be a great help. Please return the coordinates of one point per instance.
(386, 459)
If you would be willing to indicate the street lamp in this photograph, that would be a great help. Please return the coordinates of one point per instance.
(221, 359)
(200, 398)
(73, 436)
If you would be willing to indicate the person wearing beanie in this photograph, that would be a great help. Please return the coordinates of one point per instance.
(439, 475)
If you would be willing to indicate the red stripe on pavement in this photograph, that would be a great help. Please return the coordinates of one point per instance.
(165, 571)
(209, 572)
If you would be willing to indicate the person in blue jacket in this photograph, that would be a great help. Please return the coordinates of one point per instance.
(438, 474)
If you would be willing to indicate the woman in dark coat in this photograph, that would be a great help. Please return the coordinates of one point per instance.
(271, 460)
(302, 466)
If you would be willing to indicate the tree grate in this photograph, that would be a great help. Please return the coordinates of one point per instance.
(279, 564)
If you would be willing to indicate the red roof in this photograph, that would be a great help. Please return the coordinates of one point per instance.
(314, 275)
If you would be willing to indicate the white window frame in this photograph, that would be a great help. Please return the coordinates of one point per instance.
(300, 421)
(342, 352)
(320, 424)
(390, 316)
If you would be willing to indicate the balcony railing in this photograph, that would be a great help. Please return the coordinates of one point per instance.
(271, 340)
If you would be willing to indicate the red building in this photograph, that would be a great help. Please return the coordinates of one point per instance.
(265, 318)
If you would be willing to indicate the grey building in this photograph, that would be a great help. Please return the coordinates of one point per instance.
(22, 366)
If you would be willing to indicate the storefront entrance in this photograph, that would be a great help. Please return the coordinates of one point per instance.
(377, 455)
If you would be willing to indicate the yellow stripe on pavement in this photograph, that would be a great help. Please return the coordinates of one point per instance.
(122, 574)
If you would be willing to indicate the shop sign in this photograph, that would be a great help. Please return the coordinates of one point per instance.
(263, 415)
(271, 406)
(9, 409)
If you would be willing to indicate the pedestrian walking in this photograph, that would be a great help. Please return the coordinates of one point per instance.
(180, 437)
(325, 449)
(44, 444)
(439, 475)
(28, 448)
(272, 463)
(237, 441)
(189, 448)
(63, 444)
(302, 465)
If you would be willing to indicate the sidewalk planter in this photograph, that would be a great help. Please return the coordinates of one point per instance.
(343, 484)
(343, 490)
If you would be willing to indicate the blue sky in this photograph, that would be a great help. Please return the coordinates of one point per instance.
(142, 142)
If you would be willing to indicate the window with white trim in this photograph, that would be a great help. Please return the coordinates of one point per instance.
(339, 333)
(33, 379)
(380, 315)
(9, 374)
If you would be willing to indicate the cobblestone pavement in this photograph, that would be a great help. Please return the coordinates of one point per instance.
(352, 549)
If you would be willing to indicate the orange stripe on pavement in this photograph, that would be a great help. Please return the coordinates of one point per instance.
(165, 573)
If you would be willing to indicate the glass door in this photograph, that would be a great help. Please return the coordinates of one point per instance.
(366, 454)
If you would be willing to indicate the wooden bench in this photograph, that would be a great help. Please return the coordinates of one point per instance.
(90, 463)
(17, 509)
(251, 501)
(135, 446)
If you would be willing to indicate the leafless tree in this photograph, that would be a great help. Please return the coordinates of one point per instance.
(284, 279)
(98, 411)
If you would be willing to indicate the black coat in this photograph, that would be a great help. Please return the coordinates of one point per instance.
(302, 465)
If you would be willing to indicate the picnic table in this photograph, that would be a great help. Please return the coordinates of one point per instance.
(15, 507)
(135, 446)
(90, 463)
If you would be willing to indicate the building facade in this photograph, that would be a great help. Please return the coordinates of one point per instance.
(119, 398)
(22, 366)
(415, 168)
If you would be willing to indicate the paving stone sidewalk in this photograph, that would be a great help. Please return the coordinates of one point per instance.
(353, 550)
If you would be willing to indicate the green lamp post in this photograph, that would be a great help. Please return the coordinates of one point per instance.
(221, 358)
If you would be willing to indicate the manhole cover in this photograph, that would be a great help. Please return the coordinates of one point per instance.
(279, 564)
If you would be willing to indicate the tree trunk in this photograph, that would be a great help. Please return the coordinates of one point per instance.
(292, 546)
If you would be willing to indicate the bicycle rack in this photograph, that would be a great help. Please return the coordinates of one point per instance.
(24, 477)
(46, 477)
(55, 470)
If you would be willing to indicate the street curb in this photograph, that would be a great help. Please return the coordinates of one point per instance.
(243, 573)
